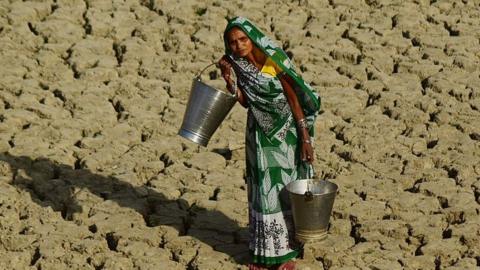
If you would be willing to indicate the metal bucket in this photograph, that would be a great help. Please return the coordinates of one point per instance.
(206, 109)
(312, 203)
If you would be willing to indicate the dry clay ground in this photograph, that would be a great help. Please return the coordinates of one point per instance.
(93, 175)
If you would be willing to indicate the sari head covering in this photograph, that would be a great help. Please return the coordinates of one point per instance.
(309, 100)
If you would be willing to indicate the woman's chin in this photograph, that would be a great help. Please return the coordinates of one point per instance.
(241, 54)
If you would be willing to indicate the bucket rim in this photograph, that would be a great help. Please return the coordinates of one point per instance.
(227, 95)
(296, 182)
(199, 80)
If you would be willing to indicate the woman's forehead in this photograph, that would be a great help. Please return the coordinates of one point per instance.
(236, 32)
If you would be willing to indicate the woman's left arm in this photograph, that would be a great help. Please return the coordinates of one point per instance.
(307, 149)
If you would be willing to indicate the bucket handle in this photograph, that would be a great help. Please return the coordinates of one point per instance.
(201, 71)
(314, 178)
(198, 76)
(308, 195)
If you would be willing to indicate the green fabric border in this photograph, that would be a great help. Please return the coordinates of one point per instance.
(274, 260)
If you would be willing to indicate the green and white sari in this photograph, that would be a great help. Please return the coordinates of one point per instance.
(272, 147)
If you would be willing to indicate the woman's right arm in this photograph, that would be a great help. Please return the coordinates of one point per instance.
(226, 68)
(307, 153)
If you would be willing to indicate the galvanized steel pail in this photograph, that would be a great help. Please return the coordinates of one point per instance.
(207, 107)
(312, 203)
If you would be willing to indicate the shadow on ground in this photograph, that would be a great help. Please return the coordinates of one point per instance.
(57, 185)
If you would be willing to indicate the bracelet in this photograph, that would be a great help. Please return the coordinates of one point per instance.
(307, 141)
(302, 123)
(233, 89)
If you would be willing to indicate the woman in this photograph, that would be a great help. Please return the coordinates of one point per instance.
(281, 111)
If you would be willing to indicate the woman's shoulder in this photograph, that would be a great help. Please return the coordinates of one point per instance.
(270, 67)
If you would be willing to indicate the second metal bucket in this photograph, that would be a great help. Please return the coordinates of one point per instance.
(206, 109)
(312, 203)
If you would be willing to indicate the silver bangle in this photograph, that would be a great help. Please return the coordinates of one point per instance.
(302, 123)
(233, 90)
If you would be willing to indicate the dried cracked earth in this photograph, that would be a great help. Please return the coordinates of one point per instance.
(93, 175)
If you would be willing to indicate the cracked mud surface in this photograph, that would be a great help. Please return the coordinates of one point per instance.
(93, 175)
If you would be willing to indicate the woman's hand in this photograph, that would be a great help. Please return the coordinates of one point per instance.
(226, 69)
(306, 153)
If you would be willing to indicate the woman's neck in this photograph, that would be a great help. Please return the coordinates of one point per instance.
(257, 58)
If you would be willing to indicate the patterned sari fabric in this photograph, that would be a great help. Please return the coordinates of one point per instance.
(272, 147)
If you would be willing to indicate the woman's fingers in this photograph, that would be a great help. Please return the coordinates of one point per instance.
(224, 64)
(307, 153)
(225, 69)
(310, 155)
(226, 76)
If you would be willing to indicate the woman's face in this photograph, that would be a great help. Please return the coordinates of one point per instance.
(239, 42)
